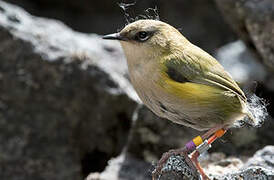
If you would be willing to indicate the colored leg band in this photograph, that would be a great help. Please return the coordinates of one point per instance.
(198, 140)
(212, 139)
(203, 147)
(190, 146)
(220, 133)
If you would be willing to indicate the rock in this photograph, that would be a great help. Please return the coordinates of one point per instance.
(124, 167)
(254, 168)
(263, 158)
(216, 166)
(151, 136)
(253, 77)
(253, 173)
(258, 167)
(66, 107)
(200, 21)
(59, 92)
(65, 88)
(243, 66)
(223, 166)
(254, 21)
(177, 168)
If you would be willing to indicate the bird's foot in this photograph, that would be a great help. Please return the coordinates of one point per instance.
(194, 159)
(197, 146)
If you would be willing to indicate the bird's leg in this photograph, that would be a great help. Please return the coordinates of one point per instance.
(194, 159)
(204, 147)
(211, 131)
(200, 144)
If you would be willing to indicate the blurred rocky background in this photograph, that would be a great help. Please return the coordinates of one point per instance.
(68, 111)
(199, 20)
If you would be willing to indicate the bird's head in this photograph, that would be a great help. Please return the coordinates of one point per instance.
(143, 39)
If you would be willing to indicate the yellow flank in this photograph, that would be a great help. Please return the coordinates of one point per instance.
(190, 91)
(202, 96)
(198, 140)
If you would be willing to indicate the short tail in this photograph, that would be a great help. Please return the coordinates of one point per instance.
(251, 120)
(256, 112)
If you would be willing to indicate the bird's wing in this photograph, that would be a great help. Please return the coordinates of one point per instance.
(196, 66)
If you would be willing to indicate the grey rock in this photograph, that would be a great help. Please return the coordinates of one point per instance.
(151, 136)
(58, 85)
(200, 21)
(66, 106)
(176, 168)
(253, 20)
(65, 101)
(252, 173)
(124, 167)
(263, 158)
(259, 167)
(243, 66)
(218, 168)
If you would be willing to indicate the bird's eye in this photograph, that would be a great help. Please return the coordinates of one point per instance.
(142, 36)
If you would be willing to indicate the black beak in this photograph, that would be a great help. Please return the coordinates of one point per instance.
(115, 36)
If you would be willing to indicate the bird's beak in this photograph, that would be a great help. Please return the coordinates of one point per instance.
(115, 36)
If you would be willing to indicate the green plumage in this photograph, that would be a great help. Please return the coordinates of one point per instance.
(197, 66)
(200, 81)
(179, 81)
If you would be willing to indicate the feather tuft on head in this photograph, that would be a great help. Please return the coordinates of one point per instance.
(150, 13)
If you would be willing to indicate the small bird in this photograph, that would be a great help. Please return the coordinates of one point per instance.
(180, 82)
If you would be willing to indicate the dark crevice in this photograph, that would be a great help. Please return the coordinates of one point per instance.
(94, 161)
(124, 119)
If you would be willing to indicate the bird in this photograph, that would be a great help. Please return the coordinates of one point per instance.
(179, 81)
